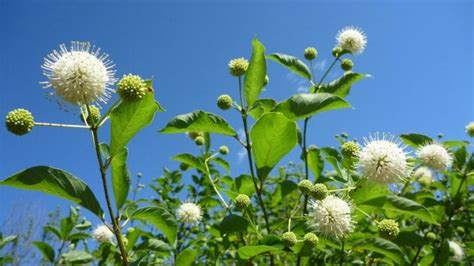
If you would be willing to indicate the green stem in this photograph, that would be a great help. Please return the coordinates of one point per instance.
(341, 262)
(208, 173)
(59, 125)
(413, 262)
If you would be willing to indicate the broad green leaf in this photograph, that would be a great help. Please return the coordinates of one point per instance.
(248, 252)
(199, 121)
(409, 207)
(255, 74)
(455, 143)
(105, 150)
(159, 217)
(57, 183)
(186, 257)
(300, 106)
(128, 118)
(120, 177)
(191, 160)
(45, 249)
(154, 245)
(282, 190)
(233, 224)
(76, 257)
(292, 63)
(369, 193)
(260, 107)
(273, 136)
(342, 86)
(223, 163)
(315, 162)
(384, 247)
(415, 140)
(244, 185)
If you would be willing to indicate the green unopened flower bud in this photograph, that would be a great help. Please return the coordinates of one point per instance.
(350, 149)
(319, 191)
(238, 66)
(310, 53)
(346, 64)
(199, 140)
(19, 121)
(183, 166)
(289, 239)
(388, 228)
(131, 88)
(431, 236)
(460, 230)
(470, 129)
(305, 186)
(311, 240)
(224, 150)
(193, 135)
(266, 81)
(224, 102)
(242, 201)
(94, 116)
(337, 51)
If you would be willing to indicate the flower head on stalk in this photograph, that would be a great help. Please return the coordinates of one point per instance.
(332, 216)
(189, 212)
(352, 39)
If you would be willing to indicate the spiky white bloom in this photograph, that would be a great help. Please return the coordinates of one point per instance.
(102, 234)
(189, 212)
(80, 75)
(423, 175)
(457, 250)
(352, 39)
(383, 160)
(332, 216)
(435, 156)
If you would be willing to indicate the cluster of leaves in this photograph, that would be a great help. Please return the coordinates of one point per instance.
(149, 231)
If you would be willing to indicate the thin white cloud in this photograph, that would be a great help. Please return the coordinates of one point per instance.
(241, 155)
(320, 65)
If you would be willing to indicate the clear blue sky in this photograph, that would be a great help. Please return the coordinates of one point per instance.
(419, 52)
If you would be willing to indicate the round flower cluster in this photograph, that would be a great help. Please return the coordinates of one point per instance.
(238, 66)
(81, 75)
(102, 234)
(350, 149)
(346, 64)
(289, 239)
(332, 216)
(189, 212)
(131, 88)
(319, 191)
(93, 117)
(383, 160)
(242, 201)
(388, 228)
(457, 251)
(199, 140)
(310, 239)
(19, 121)
(435, 156)
(224, 150)
(224, 102)
(352, 39)
(194, 134)
(310, 53)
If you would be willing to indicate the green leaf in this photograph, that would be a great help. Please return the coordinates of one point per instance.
(342, 86)
(120, 177)
(76, 257)
(45, 249)
(6, 240)
(233, 224)
(186, 257)
(304, 105)
(415, 140)
(159, 217)
(57, 183)
(128, 118)
(384, 247)
(248, 252)
(260, 107)
(273, 136)
(199, 121)
(315, 162)
(255, 74)
(292, 63)
(191, 160)
(455, 143)
(369, 193)
(409, 207)
(244, 185)
(223, 163)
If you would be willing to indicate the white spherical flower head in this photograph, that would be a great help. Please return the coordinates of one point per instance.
(189, 212)
(332, 216)
(457, 250)
(435, 156)
(383, 160)
(352, 39)
(102, 234)
(80, 75)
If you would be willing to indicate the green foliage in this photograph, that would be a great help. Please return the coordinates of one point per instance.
(199, 121)
(294, 64)
(255, 75)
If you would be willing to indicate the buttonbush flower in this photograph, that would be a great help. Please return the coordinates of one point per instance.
(289, 239)
(238, 66)
(102, 234)
(388, 228)
(242, 201)
(80, 75)
(457, 250)
(131, 88)
(352, 39)
(19, 121)
(332, 216)
(310, 53)
(435, 156)
(189, 212)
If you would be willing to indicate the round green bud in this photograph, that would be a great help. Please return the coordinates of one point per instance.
(470, 129)
(19, 121)
(350, 149)
(460, 230)
(242, 201)
(131, 88)
(431, 236)
(266, 81)
(238, 66)
(310, 53)
(319, 191)
(199, 140)
(289, 239)
(305, 186)
(183, 166)
(346, 64)
(388, 228)
(224, 150)
(337, 51)
(94, 116)
(224, 102)
(311, 240)
(193, 135)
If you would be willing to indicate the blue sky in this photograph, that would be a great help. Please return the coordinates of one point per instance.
(420, 54)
